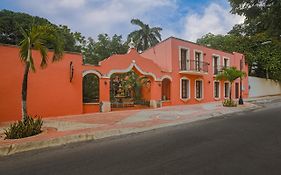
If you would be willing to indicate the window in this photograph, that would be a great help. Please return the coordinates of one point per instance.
(198, 59)
(185, 86)
(216, 63)
(226, 90)
(183, 59)
(225, 62)
(217, 89)
(198, 89)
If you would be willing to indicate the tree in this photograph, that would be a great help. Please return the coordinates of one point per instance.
(230, 74)
(73, 40)
(262, 53)
(12, 22)
(261, 16)
(37, 38)
(228, 43)
(104, 47)
(145, 37)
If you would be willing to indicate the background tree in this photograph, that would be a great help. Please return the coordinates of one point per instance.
(263, 53)
(37, 38)
(12, 22)
(230, 74)
(261, 16)
(103, 48)
(145, 37)
(262, 24)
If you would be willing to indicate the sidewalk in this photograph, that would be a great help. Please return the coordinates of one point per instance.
(264, 99)
(69, 129)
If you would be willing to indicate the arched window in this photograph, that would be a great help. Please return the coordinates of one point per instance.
(90, 88)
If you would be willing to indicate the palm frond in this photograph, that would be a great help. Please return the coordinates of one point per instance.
(145, 37)
(138, 23)
(230, 74)
(38, 38)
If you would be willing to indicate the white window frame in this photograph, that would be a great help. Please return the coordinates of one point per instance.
(228, 89)
(187, 57)
(213, 61)
(217, 98)
(200, 60)
(226, 58)
(184, 78)
(202, 90)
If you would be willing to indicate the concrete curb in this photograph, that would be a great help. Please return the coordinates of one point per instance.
(21, 147)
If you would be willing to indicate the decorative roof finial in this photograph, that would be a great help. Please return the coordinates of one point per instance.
(131, 44)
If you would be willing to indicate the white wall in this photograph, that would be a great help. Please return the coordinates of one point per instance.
(262, 87)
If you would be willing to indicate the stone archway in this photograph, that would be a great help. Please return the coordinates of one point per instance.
(91, 88)
(126, 90)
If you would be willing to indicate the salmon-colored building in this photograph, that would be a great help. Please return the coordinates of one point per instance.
(174, 72)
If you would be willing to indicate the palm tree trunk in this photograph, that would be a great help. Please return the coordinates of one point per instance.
(267, 75)
(24, 92)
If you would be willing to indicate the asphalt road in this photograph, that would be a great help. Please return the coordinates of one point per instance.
(244, 143)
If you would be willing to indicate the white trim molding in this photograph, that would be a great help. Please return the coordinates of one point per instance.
(219, 62)
(189, 95)
(214, 95)
(228, 62)
(202, 90)
(85, 72)
(201, 59)
(187, 57)
(166, 76)
(133, 64)
(228, 89)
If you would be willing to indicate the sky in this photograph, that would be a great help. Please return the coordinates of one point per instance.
(186, 19)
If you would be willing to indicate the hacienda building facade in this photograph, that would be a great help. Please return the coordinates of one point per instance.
(174, 72)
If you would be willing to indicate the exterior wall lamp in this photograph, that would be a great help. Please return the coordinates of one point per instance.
(71, 71)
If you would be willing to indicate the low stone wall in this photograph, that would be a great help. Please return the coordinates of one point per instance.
(262, 87)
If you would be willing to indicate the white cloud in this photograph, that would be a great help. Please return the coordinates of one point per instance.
(215, 19)
(116, 15)
(92, 17)
(70, 3)
(52, 6)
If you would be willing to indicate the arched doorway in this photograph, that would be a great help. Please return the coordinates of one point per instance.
(166, 89)
(126, 90)
(90, 88)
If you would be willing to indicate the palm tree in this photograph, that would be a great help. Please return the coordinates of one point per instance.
(38, 38)
(230, 74)
(145, 37)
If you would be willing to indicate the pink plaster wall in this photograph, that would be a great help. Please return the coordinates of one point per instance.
(208, 79)
(50, 92)
(161, 55)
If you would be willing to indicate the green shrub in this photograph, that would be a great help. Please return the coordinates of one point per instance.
(229, 103)
(25, 128)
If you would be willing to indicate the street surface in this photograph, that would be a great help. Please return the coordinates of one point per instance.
(241, 143)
